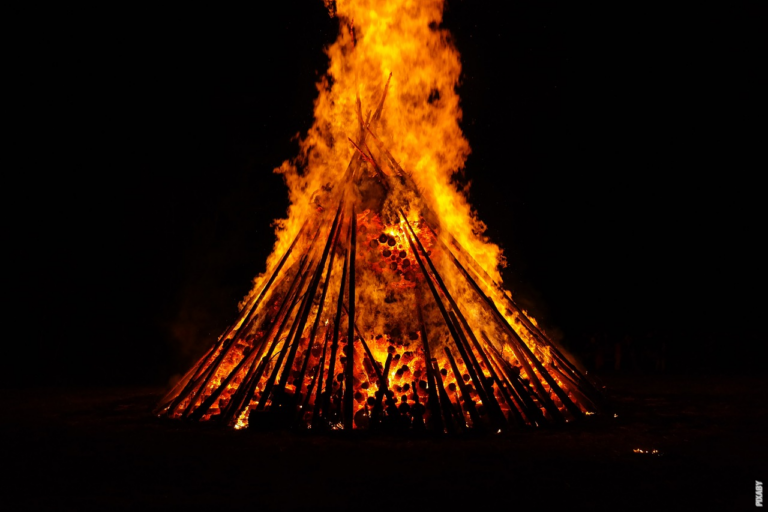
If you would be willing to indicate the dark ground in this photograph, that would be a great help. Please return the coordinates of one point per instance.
(101, 449)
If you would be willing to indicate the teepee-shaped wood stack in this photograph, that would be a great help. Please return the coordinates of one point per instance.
(375, 319)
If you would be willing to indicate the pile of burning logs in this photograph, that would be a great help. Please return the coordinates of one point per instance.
(287, 363)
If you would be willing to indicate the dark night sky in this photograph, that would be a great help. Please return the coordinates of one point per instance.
(615, 158)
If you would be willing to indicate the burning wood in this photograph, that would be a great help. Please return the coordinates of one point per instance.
(380, 260)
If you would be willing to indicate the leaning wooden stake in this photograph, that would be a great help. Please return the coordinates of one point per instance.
(433, 401)
(242, 325)
(279, 392)
(318, 316)
(479, 385)
(249, 362)
(335, 343)
(484, 390)
(587, 385)
(318, 397)
(449, 415)
(349, 392)
(520, 392)
(469, 404)
(382, 391)
(260, 360)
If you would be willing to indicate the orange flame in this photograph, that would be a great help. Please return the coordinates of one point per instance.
(404, 248)
(420, 124)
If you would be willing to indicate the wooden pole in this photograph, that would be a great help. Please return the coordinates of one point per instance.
(318, 316)
(335, 343)
(367, 349)
(413, 240)
(591, 390)
(383, 390)
(248, 385)
(449, 415)
(469, 404)
(349, 391)
(478, 377)
(318, 397)
(279, 391)
(521, 393)
(433, 402)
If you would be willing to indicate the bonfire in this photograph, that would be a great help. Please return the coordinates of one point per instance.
(382, 306)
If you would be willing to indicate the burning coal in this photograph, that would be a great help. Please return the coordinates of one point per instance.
(381, 307)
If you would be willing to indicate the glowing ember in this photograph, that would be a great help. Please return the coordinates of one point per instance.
(647, 452)
(381, 306)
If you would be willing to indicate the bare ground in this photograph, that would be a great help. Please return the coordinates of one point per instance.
(101, 449)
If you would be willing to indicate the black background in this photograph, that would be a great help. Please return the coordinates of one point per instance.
(616, 159)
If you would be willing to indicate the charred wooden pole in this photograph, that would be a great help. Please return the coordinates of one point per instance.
(267, 392)
(304, 315)
(435, 294)
(260, 360)
(514, 391)
(335, 343)
(518, 352)
(247, 361)
(367, 349)
(469, 404)
(590, 390)
(383, 390)
(241, 326)
(501, 385)
(318, 316)
(494, 413)
(368, 157)
(161, 407)
(470, 336)
(212, 371)
(520, 344)
(449, 415)
(484, 390)
(318, 396)
(349, 370)
(354, 162)
(433, 402)
(521, 393)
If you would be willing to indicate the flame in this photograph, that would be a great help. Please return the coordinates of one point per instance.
(420, 123)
